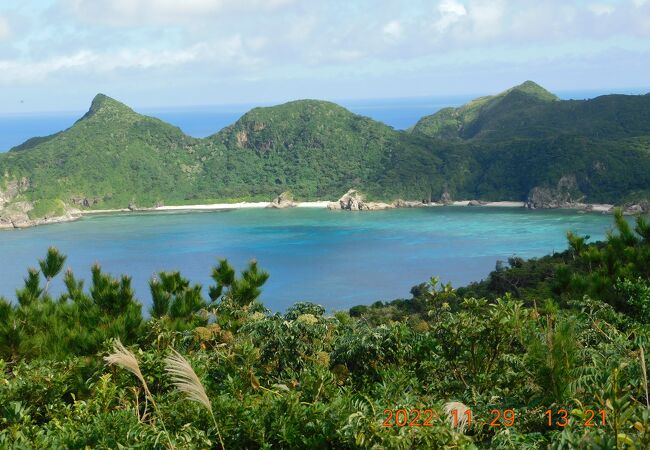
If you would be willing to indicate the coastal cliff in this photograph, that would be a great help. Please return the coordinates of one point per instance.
(16, 212)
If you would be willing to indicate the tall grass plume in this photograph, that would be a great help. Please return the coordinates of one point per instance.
(460, 419)
(189, 384)
(124, 358)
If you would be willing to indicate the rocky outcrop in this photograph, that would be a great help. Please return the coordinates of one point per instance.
(377, 206)
(16, 215)
(641, 207)
(445, 198)
(476, 203)
(11, 189)
(284, 200)
(14, 212)
(399, 203)
(564, 195)
(84, 202)
(353, 200)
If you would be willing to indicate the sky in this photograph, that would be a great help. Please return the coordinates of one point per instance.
(55, 55)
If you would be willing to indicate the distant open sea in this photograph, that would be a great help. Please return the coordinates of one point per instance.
(206, 120)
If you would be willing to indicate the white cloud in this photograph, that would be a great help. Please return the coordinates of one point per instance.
(393, 29)
(602, 9)
(450, 12)
(471, 22)
(155, 12)
(175, 41)
(484, 20)
(5, 30)
(452, 7)
(231, 53)
(300, 29)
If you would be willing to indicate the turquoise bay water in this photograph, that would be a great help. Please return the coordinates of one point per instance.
(338, 259)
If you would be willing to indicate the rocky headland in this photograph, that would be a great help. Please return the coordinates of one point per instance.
(17, 216)
(354, 200)
(284, 200)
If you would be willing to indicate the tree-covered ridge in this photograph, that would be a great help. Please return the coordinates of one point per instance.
(568, 332)
(493, 148)
(587, 150)
(528, 111)
(465, 121)
(110, 157)
(315, 149)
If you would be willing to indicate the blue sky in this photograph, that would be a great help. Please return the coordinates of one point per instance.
(57, 54)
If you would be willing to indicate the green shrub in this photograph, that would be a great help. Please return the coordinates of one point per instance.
(47, 208)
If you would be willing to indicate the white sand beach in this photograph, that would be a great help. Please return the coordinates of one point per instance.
(506, 204)
(322, 204)
(601, 207)
(213, 206)
(240, 205)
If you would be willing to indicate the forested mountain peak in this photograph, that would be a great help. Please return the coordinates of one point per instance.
(468, 120)
(533, 89)
(293, 115)
(103, 106)
(528, 111)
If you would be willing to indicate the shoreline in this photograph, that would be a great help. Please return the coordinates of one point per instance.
(322, 204)
(311, 204)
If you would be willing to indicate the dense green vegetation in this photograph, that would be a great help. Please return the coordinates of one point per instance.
(47, 208)
(111, 156)
(493, 148)
(567, 332)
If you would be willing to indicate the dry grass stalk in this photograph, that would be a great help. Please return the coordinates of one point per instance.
(645, 377)
(186, 380)
(124, 358)
(459, 419)
(188, 383)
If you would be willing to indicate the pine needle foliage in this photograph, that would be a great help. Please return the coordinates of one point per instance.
(51, 265)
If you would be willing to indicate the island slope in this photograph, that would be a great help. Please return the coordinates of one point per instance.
(521, 145)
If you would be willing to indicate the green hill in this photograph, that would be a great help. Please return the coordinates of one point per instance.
(529, 111)
(470, 119)
(316, 149)
(109, 157)
(525, 138)
(500, 147)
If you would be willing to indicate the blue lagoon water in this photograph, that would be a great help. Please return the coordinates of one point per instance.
(338, 259)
